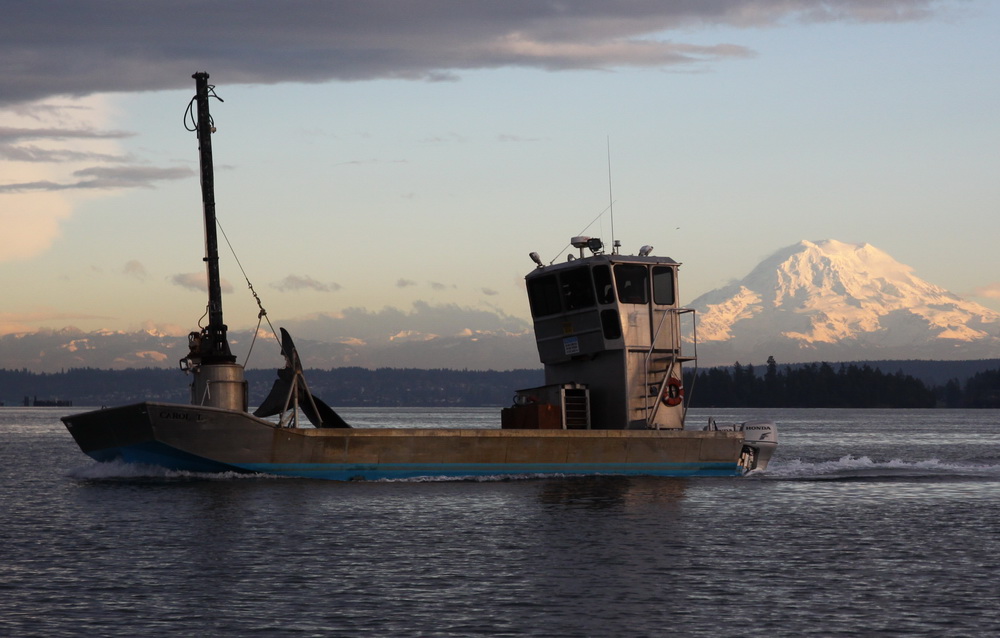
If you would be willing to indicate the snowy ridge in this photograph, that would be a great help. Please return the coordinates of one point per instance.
(841, 301)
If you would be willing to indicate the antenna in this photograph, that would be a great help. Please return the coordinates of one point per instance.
(611, 205)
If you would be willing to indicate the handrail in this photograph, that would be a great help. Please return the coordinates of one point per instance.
(675, 353)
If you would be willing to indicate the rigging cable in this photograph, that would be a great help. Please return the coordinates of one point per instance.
(609, 207)
(599, 215)
(191, 124)
(260, 315)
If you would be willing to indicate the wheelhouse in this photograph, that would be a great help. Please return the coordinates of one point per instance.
(610, 323)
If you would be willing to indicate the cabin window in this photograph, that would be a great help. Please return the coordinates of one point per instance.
(633, 283)
(577, 291)
(602, 281)
(611, 324)
(663, 285)
(543, 296)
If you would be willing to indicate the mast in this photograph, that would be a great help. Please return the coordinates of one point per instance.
(214, 344)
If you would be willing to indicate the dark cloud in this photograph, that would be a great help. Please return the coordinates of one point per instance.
(104, 177)
(51, 47)
(9, 134)
(405, 283)
(15, 144)
(34, 154)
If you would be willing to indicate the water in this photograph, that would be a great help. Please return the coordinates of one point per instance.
(867, 523)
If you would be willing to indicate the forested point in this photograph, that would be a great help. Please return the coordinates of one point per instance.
(815, 385)
(342, 387)
(820, 385)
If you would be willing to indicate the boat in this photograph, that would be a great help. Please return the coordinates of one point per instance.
(609, 333)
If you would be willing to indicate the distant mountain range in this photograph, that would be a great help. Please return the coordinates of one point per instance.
(56, 350)
(832, 301)
(813, 301)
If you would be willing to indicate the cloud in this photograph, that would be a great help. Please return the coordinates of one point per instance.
(425, 336)
(91, 46)
(422, 320)
(507, 137)
(405, 283)
(51, 155)
(989, 291)
(104, 177)
(28, 322)
(16, 144)
(30, 224)
(489, 292)
(134, 268)
(305, 282)
(197, 281)
(41, 144)
(57, 144)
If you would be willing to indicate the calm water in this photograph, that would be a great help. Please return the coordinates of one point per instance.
(868, 523)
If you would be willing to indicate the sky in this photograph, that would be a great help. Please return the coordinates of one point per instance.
(403, 158)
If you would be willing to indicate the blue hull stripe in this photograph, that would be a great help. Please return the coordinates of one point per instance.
(374, 472)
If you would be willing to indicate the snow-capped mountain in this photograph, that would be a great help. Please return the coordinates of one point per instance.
(833, 301)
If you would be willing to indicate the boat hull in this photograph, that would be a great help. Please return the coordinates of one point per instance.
(204, 439)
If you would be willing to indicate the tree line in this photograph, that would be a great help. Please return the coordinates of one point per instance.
(820, 385)
(344, 387)
(789, 385)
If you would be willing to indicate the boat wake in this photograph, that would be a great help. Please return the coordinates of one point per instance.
(120, 470)
(863, 468)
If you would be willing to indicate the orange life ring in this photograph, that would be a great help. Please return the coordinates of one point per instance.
(673, 393)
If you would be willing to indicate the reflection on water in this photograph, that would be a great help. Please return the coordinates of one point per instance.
(866, 523)
(602, 492)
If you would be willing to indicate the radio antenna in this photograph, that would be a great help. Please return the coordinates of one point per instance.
(611, 205)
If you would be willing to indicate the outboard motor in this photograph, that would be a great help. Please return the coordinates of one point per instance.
(759, 440)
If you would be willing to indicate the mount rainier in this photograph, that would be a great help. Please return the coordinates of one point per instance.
(832, 301)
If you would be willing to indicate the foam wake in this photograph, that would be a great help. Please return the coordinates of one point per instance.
(120, 470)
(864, 467)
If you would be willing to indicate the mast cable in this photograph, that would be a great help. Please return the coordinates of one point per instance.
(263, 313)
(191, 124)
(609, 207)
(191, 116)
(583, 230)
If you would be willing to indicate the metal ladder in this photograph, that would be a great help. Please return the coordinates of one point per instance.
(656, 377)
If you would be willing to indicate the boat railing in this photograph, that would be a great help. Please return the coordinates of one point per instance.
(661, 376)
